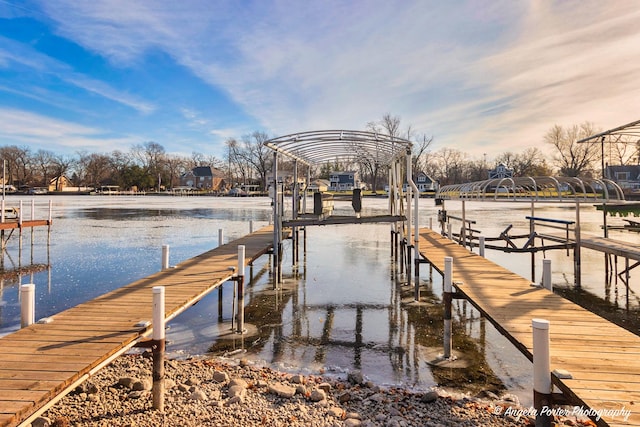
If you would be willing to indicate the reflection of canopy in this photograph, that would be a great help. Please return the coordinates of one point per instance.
(631, 130)
(330, 145)
(545, 188)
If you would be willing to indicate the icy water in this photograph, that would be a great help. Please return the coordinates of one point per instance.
(344, 307)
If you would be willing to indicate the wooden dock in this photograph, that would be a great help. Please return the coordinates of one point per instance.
(603, 359)
(13, 224)
(39, 364)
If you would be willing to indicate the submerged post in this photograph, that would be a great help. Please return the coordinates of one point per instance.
(546, 274)
(165, 257)
(158, 348)
(27, 304)
(541, 373)
(447, 297)
(241, 251)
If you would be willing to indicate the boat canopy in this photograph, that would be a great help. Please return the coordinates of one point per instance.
(317, 147)
(540, 188)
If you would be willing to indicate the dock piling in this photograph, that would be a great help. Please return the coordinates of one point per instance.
(546, 274)
(240, 279)
(27, 304)
(481, 246)
(165, 257)
(447, 299)
(541, 373)
(158, 347)
(220, 237)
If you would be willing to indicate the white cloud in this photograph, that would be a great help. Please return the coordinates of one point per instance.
(106, 91)
(18, 127)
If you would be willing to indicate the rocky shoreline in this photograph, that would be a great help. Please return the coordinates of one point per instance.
(211, 392)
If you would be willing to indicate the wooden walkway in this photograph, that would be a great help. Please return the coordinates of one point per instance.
(41, 363)
(604, 359)
(610, 246)
(13, 224)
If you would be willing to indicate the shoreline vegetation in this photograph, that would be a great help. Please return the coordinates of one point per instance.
(222, 392)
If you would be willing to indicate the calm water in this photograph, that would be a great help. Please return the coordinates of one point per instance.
(345, 307)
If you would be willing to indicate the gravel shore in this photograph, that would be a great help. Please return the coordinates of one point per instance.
(211, 392)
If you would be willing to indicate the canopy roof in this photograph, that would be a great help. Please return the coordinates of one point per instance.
(317, 147)
(630, 130)
(544, 188)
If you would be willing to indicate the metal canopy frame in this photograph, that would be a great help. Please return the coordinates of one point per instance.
(630, 129)
(316, 147)
(542, 189)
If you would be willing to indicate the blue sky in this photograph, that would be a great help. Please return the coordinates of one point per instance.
(480, 76)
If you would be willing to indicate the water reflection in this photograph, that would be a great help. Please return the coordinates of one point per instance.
(338, 313)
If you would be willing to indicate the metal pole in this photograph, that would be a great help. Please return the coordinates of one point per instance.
(276, 222)
(546, 274)
(463, 230)
(165, 257)
(27, 304)
(541, 372)
(447, 298)
(241, 252)
(576, 251)
(158, 348)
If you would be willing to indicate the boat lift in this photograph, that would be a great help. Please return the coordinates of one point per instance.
(379, 150)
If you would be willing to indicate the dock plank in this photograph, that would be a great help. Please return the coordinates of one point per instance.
(41, 361)
(603, 358)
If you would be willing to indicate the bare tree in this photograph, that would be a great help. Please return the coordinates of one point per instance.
(19, 163)
(43, 160)
(174, 167)
(421, 152)
(451, 166)
(571, 158)
(257, 155)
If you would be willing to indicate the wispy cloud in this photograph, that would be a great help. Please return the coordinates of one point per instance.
(106, 91)
(481, 78)
(42, 132)
(24, 56)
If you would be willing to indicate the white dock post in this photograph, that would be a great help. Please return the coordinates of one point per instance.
(20, 213)
(481, 246)
(546, 274)
(50, 211)
(158, 347)
(240, 329)
(541, 372)
(220, 237)
(447, 297)
(33, 209)
(27, 304)
(2, 213)
(165, 257)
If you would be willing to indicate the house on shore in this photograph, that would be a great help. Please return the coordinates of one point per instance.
(500, 171)
(344, 181)
(203, 178)
(626, 176)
